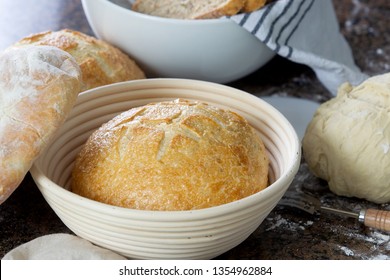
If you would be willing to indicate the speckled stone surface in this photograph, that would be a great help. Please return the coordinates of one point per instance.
(286, 233)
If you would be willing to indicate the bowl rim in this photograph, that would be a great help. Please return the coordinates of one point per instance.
(279, 184)
(126, 11)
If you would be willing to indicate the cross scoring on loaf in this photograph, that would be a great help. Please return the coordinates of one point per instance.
(173, 120)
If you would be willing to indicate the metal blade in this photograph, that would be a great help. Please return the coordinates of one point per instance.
(311, 204)
(301, 201)
(340, 212)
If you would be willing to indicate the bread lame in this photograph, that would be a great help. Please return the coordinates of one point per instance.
(374, 218)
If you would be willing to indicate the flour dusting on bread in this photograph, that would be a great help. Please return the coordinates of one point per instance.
(38, 87)
(100, 62)
(171, 156)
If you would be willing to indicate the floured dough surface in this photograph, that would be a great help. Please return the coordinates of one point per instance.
(348, 141)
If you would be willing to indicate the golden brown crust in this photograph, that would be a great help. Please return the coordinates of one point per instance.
(189, 9)
(174, 155)
(100, 62)
(252, 5)
(38, 87)
(230, 9)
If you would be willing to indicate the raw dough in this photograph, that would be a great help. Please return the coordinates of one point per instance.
(347, 143)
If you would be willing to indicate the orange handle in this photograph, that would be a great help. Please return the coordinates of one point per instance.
(378, 219)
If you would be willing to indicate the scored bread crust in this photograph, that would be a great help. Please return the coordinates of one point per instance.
(179, 9)
(100, 62)
(252, 5)
(173, 155)
(38, 87)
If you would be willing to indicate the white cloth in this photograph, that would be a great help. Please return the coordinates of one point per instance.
(306, 32)
(60, 246)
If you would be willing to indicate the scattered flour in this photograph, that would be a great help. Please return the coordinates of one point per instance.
(278, 221)
(379, 242)
(347, 251)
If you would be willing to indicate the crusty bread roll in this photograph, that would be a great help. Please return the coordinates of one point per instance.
(199, 9)
(173, 155)
(38, 87)
(100, 62)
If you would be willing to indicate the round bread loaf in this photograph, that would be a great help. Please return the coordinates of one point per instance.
(38, 88)
(100, 62)
(173, 155)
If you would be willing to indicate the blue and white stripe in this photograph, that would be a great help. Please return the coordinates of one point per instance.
(276, 23)
(306, 32)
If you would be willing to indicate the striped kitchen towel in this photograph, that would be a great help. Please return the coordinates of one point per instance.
(306, 32)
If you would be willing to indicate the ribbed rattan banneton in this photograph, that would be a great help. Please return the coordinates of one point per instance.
(197, 234)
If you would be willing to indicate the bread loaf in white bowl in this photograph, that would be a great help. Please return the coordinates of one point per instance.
(165, 234)
(216, 50)
(198, 9)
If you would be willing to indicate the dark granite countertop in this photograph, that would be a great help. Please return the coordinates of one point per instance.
(286, 233)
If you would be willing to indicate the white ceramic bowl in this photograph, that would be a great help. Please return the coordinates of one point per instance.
(216, 50)
(197, 234)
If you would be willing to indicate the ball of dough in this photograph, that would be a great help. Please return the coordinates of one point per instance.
(173, 155)
(347, 142)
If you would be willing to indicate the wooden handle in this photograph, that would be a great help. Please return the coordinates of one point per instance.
(378, 219)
